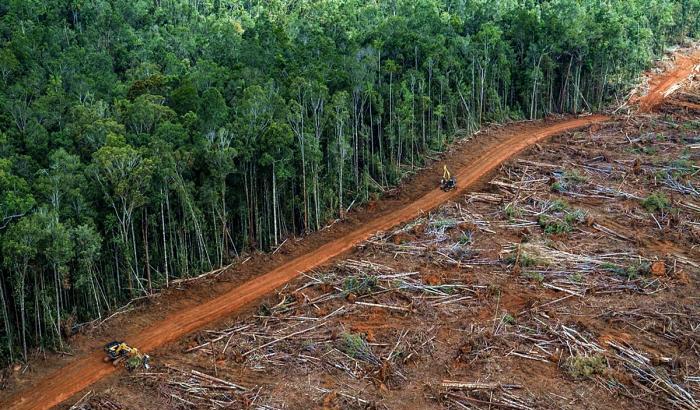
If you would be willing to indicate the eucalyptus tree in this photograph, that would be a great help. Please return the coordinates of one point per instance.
(123, 174)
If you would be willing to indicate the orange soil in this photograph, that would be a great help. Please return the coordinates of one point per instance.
(83, 372)
(661, 85)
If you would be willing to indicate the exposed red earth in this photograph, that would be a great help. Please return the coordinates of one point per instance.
(663, 85)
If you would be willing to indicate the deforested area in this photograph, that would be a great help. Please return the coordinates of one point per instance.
(570, 280)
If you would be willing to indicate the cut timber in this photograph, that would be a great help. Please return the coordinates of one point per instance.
(448, 384)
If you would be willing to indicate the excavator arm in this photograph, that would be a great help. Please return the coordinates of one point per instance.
(445, 173)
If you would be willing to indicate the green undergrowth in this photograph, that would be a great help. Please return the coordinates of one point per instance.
(561, 222)
(360, 285)
(656, 202)
(585, 367)
(631, 272)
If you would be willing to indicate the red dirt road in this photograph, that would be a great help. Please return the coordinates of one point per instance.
(663, 85)
(83, 372)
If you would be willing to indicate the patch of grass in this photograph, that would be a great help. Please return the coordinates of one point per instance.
(656, 202)
(650, 150)
(638, 269)
(630, 272)
(466, 238)
(559, 205)
(577, 216)
(574, 176)
(690, 125)
(558, 187)
(535, 276)
(567, 179)
(554, 226)
(443, 223)
(525, 260)
(512, 212)
(576, 277)
(355, 346)
(508, 319)
(613, 268)
(360, 285)
(584, 367)
(681, 167)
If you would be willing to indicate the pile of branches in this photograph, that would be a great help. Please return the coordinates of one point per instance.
(579, 274)
(467, 395)
(580, 355)
(445, 237)
(195, 389)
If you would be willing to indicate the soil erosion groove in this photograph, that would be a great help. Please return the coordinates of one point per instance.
(83, 372)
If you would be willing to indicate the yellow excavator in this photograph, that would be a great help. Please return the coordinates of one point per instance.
(118, 352)
(448, 182)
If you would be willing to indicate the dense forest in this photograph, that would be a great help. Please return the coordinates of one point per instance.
(147, 140)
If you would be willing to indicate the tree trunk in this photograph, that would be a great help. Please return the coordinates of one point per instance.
(165, 244)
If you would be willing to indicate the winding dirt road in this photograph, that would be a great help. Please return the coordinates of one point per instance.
(663, 85)
(83, 372)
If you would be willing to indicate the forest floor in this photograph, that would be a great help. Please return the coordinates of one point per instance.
(560, 281)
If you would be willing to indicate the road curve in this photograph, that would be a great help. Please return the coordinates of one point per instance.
(85, 371)
(664, 84)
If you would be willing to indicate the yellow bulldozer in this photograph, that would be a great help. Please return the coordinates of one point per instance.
(118, 352)
(448, 182)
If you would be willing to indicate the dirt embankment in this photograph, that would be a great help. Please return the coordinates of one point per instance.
(663, 86)
(88, 369)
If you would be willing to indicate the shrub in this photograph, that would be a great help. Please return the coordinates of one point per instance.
(355, 346)
(360, 285)
(559, 205)
(553, 226)
(585, 366)
(656, 202)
